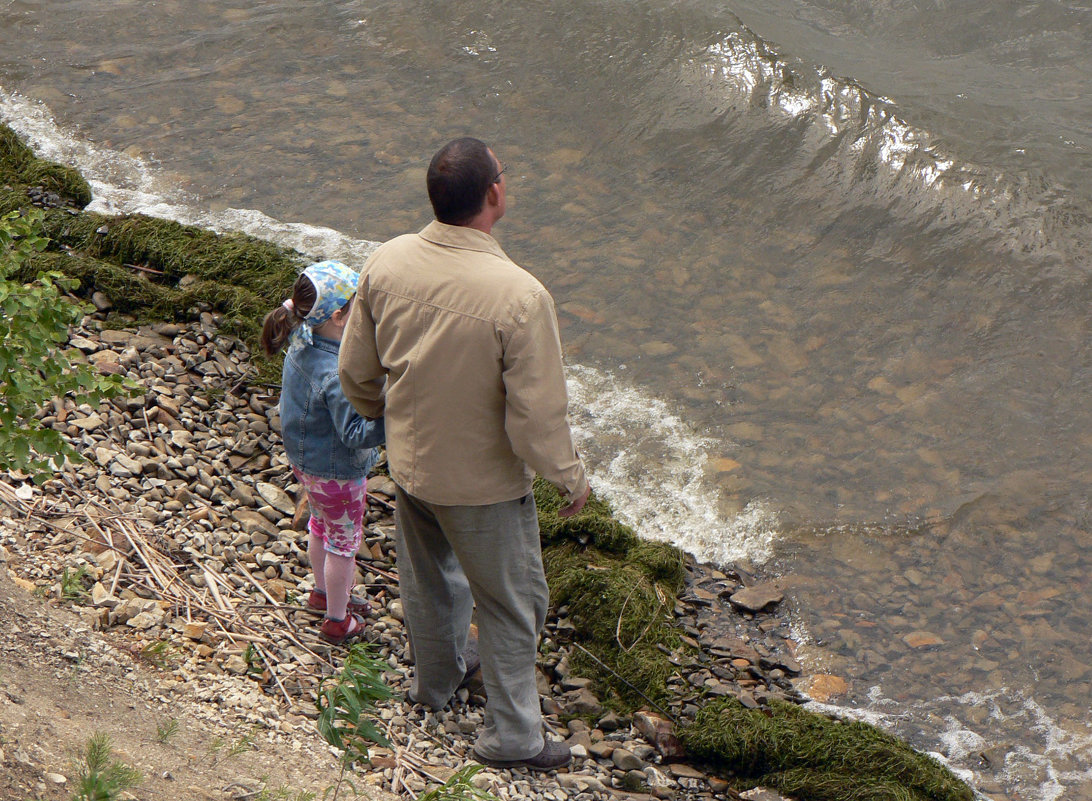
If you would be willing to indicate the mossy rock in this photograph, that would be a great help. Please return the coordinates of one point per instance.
(812, 756)
(177, 250)
(620, 592)
(21, 169)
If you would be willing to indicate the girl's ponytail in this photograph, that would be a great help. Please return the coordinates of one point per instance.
(280, 322)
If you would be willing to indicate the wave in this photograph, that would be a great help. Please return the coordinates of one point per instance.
(834, 135)
(652, 467)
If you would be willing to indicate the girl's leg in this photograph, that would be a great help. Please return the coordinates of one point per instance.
(340, 572)
(317, 553)
(337, 515)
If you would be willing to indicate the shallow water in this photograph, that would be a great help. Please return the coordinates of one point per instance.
(832, 325)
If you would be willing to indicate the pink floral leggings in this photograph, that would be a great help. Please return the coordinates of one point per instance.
(337, 511)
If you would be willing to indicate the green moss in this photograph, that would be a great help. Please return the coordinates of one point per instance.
(177, 250)
(21, 169)
(812, 756)
(139, 262)
(620, 592)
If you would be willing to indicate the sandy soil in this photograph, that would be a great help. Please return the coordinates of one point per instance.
(61, 682)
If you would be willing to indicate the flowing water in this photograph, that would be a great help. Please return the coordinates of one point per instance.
(821, 266)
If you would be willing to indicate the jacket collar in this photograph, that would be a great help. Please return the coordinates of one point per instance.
(324, 343)
(459, 236)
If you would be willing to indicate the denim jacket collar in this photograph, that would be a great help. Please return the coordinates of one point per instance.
(325, 343)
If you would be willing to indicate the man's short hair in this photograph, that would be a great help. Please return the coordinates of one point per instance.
(458, 179)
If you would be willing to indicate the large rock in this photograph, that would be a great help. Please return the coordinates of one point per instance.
(582, 702)
(253, 522)
(757, 598)
(276, 497)
(624, 759)
(659, 731)
(822, 687)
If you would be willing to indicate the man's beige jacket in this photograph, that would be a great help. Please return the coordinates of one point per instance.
(475, 399)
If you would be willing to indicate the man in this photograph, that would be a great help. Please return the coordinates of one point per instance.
(475, 404)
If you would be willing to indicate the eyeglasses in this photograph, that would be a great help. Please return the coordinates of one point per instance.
(496, 178)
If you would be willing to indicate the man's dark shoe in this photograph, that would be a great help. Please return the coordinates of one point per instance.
(553, 755)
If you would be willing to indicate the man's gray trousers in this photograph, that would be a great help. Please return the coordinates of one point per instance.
(451, 558)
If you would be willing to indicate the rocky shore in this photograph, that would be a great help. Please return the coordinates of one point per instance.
(171, 564)
(179, 541)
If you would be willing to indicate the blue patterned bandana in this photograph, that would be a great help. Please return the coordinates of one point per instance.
(334, 284)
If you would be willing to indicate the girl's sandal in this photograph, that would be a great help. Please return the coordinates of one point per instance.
(336, 632)
(316, 602)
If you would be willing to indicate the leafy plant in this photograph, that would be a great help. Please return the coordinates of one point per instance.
(240, 745)
(460, 788)
(72, 588)
(101, 777)
(166, 730)
(253, 659)
(344, 702)
(34, 321)
(160, 653)
(283, 793)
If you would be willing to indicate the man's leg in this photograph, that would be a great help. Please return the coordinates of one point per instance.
(499, 548)
(436, 601)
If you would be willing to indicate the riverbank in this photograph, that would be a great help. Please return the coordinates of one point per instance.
(174, 547)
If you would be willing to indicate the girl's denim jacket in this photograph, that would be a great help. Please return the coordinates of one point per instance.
(323, 434)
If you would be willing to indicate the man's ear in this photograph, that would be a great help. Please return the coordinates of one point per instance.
(492, 194)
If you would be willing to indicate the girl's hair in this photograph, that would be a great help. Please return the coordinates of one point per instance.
(280, 322)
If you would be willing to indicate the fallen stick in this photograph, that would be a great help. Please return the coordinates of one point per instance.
(273, 672)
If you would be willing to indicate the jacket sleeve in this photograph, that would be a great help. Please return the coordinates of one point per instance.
(536, 400)
(359, 368)
(355, 431)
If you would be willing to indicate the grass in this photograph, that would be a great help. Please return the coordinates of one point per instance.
(72, 586)
(101, 777)
(283, 793)
(221, 749)
(166, 730)
(161, 653)
(460, 787)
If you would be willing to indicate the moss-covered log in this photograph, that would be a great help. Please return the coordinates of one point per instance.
(177, 250)
(812, 756)
(153, 269)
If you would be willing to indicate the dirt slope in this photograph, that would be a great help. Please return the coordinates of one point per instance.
(61, 682)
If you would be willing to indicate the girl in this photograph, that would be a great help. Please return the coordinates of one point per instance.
(330, 446)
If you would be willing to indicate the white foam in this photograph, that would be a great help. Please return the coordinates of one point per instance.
(651, 466)
(123, 184)
(1050, 759)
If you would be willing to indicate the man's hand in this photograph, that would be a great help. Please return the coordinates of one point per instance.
(576, 505)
